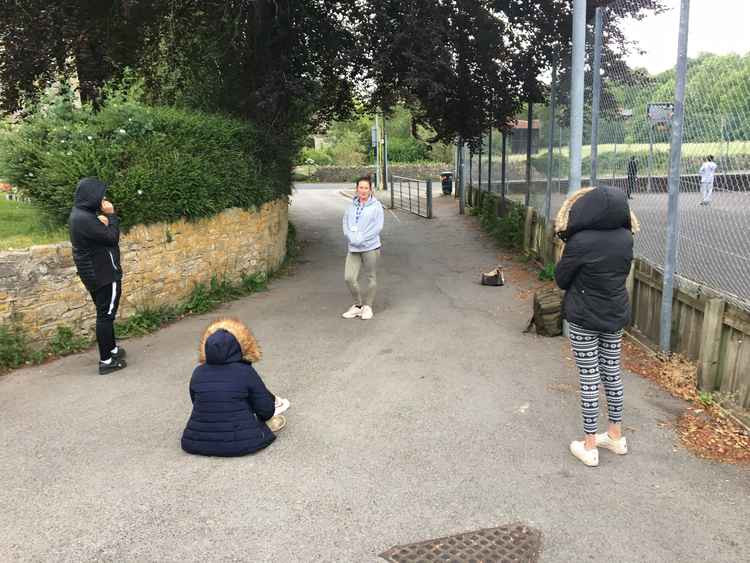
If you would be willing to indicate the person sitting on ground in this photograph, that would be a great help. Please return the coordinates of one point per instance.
(362, 223)
(233, 413)
(597, 227)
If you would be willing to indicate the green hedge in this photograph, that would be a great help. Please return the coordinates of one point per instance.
(161, 163)
(506, 229)
(407, 150)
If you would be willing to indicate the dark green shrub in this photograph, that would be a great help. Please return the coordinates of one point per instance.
(407, 150)
(548, 272)
(65, 342)
(506, 229)
(162, 163)
(14, 345)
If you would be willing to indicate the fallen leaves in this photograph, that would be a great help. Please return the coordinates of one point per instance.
(705, 430)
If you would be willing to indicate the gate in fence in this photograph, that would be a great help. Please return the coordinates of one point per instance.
(412, 195)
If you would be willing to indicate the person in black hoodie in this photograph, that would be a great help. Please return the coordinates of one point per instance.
(597, 226)
(95, 236)
(234, 414)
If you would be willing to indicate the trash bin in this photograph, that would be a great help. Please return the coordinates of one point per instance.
(446, 179)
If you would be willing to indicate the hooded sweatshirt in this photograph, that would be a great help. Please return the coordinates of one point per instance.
(362, 225)
(95, 245)
(597, 226)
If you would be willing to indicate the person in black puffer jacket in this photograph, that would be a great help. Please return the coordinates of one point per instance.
(234, 414)
(95, 236)
(597, 226)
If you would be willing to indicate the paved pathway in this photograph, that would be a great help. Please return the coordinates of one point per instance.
(438, 416)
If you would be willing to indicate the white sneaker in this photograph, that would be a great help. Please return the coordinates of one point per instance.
(588, 457)
(353, 312)
(281, 406)
(366, 313)
(619, 446)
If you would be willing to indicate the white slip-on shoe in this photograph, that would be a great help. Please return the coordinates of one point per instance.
(281, 406)
(353, 312)
(604, 440)
(366, 313)
(588, 457)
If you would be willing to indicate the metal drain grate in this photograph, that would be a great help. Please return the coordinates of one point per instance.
(515, 543)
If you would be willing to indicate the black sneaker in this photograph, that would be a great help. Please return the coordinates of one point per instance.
(120, 354)
(114, 365)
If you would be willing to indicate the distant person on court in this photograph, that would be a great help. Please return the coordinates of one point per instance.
(362, 224)
(233, 413)
(707, 173)
(597, 227)
(95, 236)
(632, 176)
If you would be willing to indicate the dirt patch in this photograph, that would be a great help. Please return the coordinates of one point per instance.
(705, 429)
(523, 275)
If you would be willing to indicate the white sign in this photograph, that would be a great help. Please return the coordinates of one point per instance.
(660, 112)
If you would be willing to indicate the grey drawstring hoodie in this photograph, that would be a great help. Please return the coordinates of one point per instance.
(363, 234)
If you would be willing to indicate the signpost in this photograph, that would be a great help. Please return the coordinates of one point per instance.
(659, 113)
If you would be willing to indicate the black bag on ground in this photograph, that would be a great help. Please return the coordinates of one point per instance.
(495, 277)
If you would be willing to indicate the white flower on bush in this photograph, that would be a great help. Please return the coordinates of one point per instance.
(30, 174)
(122, 132)
(140, 192)
(89, 137)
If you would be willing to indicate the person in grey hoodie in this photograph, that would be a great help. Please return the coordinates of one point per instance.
(362, 224)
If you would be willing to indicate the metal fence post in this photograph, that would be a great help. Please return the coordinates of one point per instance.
(429, 199)
(577, 79)
(597, 94)
(503, 162)
(489, 163)
(461, 171)
(392, 195)
(527, 199)
(678, 118)
(550, 142)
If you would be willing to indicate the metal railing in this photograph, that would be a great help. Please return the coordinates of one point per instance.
(412, 195)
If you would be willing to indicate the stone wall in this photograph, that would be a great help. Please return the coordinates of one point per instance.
(162, 262)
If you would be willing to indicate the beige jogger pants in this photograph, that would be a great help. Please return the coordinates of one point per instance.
(355, 263)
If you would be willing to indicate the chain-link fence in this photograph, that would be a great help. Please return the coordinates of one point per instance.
(633, 142)
(713, 245)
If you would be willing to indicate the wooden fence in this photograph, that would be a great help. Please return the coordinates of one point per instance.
(706, 328)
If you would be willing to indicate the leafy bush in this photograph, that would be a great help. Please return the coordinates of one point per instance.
(17, 348)
(407, 149)
(506, 229)
(161, 163)
(65, 342)
(348, 150)
(14, 345)
(319, 157)
(548, 272)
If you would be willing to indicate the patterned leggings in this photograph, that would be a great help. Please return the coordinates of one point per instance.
(597, 356)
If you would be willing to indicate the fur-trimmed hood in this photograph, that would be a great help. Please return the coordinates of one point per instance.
(599, 208)
(228, 340)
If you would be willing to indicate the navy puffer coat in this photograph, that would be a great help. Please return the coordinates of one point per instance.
(230, 401)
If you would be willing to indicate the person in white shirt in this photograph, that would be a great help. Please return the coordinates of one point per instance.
(707, 172)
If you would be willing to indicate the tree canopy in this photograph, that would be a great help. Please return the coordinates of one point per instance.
(461, 66)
